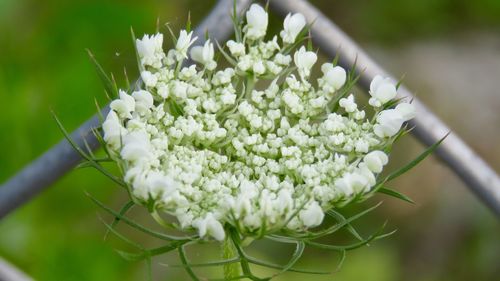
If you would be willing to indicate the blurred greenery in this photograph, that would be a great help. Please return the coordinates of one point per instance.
(58, 236)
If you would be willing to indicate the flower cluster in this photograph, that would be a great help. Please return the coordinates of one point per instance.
(258, 145)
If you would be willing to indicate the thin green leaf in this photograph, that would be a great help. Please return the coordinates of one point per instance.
(138, 226)
(335, 60)
(208, 264)
(69, 139)
(128, 256)
(99, 111)
(377, 235)
(236, 23)
(174, 39)
(339, 217)
(233, 278)
(394, 193)
(84, 155)
(185, 262)
(103, 171)
(188, 22)
(336, 227)
(134, 39)
(122, 212)
(415, 161)
(148, 253)
(280, 267)
(245, 265)
(89, 150)
(108, 83)
(229, 59)
(392, 103)
(400, 81)
(341, 262)
(299, 250)
(119, 235)
(103, 144)
(127, 80)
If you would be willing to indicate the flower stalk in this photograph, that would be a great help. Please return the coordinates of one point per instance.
(231, 270)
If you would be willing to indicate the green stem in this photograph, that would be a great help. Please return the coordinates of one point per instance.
(231, 270)
(249, 86)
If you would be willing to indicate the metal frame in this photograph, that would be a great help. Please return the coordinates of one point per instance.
(481, 179)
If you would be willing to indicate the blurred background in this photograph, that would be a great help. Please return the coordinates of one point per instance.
(448, 50)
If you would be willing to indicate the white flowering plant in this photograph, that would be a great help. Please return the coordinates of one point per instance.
(257, 149)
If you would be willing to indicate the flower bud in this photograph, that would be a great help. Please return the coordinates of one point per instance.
(382, 90)
(312, 215)
(292, 26)
(375, 161)
(304, 60)
(334, 76)
(149, 49)
(183, 43)
(204, 55)
(256, 22)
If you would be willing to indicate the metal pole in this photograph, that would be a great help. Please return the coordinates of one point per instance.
(8, 272)
(481, 179)
(61, 158)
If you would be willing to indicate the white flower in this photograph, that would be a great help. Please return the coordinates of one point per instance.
(376, 160)
(236, 49)
(334, 76)
(293, 102)
(124, 105)
(348, 103)
(256, 22)
(312, 215)
(292, 26)
(389, 121)
(304, 60)
(136, 146)
(149, 78)
(204, 55)
(210, 226)
(159, 184)
(183, 43)
(382, 90)
(282, 59)
(259, 68)
(143, 100)
(150, 50)
(407, 110)
(112, 129)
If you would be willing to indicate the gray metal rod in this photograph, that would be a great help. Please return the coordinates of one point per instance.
(481, 179)
(9, 272)
(61, 158)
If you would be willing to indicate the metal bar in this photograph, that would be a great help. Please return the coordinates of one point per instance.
(8, 272)
(61, 158)
(481, 179)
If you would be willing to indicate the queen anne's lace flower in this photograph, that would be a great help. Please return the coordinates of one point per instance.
(304, 60)
(183, 43)
(292, 26)
(204, 55)
(150, 50)
(256, 22)
(212, 147)
(382, 90)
